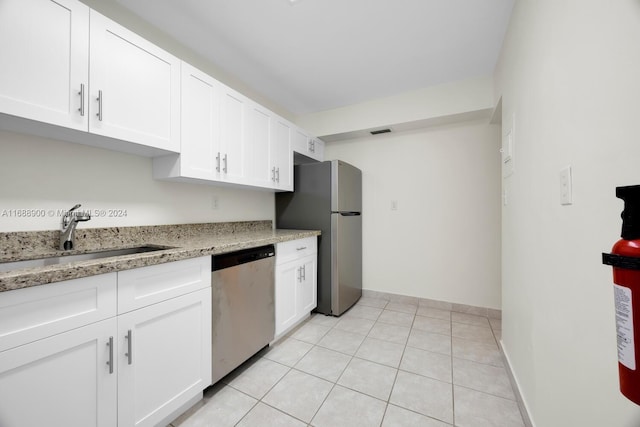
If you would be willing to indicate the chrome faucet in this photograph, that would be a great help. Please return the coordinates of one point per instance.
(70, 221)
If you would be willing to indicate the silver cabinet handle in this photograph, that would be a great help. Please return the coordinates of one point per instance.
(304, 272)
(302, 248)
(110, 361)
(81, 93)
(99, 99)
(273, 174)
(278, 175)
(224, 159)
(129, 353)
(218, 162)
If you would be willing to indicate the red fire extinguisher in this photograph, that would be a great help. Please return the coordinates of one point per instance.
(625, 259)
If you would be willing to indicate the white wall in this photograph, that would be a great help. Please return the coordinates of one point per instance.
(443, 241)
(570, 71)
(444, 100)
(38, 173)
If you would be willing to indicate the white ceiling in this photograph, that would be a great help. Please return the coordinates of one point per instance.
(314, 55)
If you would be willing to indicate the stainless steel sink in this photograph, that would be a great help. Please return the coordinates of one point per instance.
(63, 259)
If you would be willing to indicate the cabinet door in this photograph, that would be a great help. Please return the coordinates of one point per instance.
(164, 357)
(282, 154)
(63, 380)
(306, 295)
(258, 142)
(200, 125)
(45, 61)
(233, 135)
(317, 149)
(300, 142)
(287, 283)
(135, 87)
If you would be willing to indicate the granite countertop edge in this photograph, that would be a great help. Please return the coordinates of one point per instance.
(177, 250)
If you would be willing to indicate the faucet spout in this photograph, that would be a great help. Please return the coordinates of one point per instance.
(70, 221)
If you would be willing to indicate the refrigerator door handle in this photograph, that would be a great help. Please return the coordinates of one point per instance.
(349, 213)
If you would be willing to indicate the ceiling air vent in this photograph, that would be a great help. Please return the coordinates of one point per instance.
(379, 131)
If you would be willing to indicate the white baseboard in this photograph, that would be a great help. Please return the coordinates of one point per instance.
(522, 403)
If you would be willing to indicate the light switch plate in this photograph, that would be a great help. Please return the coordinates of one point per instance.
(566, 190)
(508, 146)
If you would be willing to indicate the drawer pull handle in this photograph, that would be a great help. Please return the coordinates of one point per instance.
(99, 99)
(301, 248)
(81, 93)
(129, 353)
(110, 361)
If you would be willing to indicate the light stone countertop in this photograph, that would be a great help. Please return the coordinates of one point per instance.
(184, 241)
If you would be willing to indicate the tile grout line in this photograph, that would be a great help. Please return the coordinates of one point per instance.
(395, 378)
(453, 397)
(342, 373)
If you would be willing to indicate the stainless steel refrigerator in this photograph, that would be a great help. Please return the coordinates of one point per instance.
(328, 197)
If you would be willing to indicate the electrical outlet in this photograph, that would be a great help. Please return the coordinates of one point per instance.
(394, 205)
(215, 204)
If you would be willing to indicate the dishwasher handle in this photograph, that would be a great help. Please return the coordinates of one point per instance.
(232, 259)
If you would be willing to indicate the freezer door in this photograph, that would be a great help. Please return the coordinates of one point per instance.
(346, 191)
(346, 261)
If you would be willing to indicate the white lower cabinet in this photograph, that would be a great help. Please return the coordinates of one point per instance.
(139, 368)
(63, 380)
(163, 358)
(296, 282)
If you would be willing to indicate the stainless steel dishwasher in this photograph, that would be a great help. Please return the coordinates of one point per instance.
(243, 307)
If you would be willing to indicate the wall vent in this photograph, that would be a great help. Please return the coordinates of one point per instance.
(379, 131)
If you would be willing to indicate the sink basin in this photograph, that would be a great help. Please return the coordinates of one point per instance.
(63, 259)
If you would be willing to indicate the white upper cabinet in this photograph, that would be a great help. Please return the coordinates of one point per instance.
(45, 55)
(269, 149)
(78, 76)
(281, 154)
(135, 87)
(227, 138)
(199, 156)
(66, 65)
(307, 145)
(259, 141)
(234, 109)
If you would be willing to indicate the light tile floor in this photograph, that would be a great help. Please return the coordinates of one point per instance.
(381, 364)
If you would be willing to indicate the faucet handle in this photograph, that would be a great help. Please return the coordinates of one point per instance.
(66, 218)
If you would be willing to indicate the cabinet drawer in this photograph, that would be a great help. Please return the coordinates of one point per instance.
(30, 314)
(141, 287)
(296, 249)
